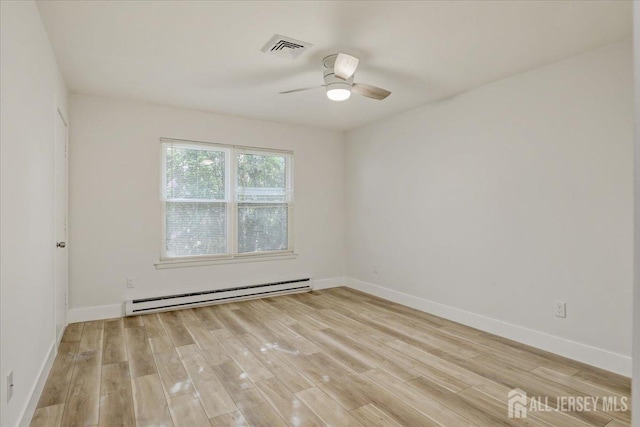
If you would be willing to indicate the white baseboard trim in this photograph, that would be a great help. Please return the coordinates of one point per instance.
(60, 335)
(95, 313)
(36, 390)
(332, 282)
(590, 355)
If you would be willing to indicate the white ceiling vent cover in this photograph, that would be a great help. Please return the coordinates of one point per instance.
(285, 47)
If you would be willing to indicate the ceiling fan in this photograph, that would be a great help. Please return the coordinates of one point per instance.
(338, 80)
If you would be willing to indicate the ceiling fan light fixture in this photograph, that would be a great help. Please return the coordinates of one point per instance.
(337, 89)
(338, 94)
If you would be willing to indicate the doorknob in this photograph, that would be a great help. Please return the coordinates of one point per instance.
(61, 244)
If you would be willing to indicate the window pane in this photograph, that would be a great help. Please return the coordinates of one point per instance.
(196, 229)
(262, 227)
(194, 173)
(262, 178)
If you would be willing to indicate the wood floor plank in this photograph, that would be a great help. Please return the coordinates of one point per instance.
(296, 312)
(426, 339)
(141, 360)
(270, 357)
(410, 313)
(174, 377)
(49, 416)
(262, 415)
(133, 322)
(514, 354)
(91, 342)
(232, 419)
(187, 411)
(231, 321)
(449, 368)
(161, 345)
(82, 404)
(187, 316)
(389, 403)
(208, 343)
(94, 324)
(153, 326)
(310, 300)
(342, 391)
(422, 369)
(257, 327)
(172, 323)
(576, 383)
(326, 408)
(57, 385)
(374, 353)
(431, 408)
(618, 423)
(114, 349)
(207, 318)
(246, 360)
(318, 367)
(237, 384)
(150, 405)
(72, 332)
(116, 399)
(455, 403)
(477, 400)
(549, 360)
(338, 322)
(251, 403)
(214, 398)
(608, 380)
(215, 355)
(370, 416)
(269, 313)
(354, 361)
(290, 408)
(297, 341)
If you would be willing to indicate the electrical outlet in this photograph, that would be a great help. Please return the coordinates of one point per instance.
(560, 308)
(131, 282)
(9, 386)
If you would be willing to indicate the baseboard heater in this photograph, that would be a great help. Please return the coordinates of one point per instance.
(218, 296)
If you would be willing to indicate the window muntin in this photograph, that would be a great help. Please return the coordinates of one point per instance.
(204, 215)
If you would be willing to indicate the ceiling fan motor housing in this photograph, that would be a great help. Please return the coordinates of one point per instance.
(332, 82)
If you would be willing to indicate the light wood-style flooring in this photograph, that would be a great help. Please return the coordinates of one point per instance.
(334, 357)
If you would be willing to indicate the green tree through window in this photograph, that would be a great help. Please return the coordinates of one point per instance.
(200, 202)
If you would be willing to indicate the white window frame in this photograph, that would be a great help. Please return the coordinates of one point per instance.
(231, 202)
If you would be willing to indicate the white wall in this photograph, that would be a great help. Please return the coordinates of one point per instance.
(503, 199)
(31, 89)
(115, 215)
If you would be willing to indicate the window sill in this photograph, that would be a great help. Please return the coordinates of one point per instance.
(194, 262)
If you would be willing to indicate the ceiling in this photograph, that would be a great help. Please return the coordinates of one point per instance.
(206, 55)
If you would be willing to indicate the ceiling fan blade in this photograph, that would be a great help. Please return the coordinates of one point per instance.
(300, 90)
(345, 66)
(370, 91)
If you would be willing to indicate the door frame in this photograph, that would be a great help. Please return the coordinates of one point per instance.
(60, 115)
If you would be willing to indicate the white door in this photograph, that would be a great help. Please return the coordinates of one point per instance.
(61, 260)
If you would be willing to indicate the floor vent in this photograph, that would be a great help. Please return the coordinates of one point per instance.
(218, 296)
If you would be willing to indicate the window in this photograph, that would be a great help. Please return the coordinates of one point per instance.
(225, 201)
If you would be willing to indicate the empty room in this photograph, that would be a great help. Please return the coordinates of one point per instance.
(319, 213)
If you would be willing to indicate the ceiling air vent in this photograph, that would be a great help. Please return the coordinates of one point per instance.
(285, 47)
